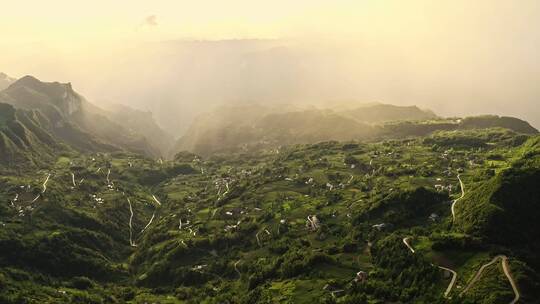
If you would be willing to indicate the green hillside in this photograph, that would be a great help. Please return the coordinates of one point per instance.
(23, 140)
(505, 207)
(292, 225)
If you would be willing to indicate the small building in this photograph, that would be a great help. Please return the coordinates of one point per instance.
(380, 226)
(361, 277)
(312, 222)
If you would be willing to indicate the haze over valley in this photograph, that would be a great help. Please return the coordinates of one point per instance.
(315, 151)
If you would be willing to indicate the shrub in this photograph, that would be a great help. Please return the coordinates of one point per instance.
(82, 283)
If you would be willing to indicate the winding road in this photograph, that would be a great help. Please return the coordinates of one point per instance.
(455, 201)
(406, 242)
(156, 200)
(506, 270)
(257, 236)
(73, 179)
(45, 183)
(149, 222)
(454, 274)
(35, 198)
(130, 225)
(108, 173)
(452, 282)
(236, 269)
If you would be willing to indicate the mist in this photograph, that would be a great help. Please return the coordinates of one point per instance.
(456, 60)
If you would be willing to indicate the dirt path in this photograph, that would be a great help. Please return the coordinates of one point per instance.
(454, 274)
(456, 200)
(149, 222)
(226, 186)
(506, 270)
(156, 200)
(108, 173)
(130, 225)
(35, 198)
(257, 235)
(45, 183)
(236, 269)
(478, 274)
(452, 282)
(73, 179)
(406, 242)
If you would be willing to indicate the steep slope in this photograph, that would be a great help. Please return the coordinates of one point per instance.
(23, 140)
(72, 118)
(505, 208)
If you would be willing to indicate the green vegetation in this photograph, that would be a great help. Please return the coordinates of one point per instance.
(234, 227)
(280, 206)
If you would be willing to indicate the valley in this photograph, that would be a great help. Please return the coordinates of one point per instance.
(374, 204)
(168, 232)
(270, 152)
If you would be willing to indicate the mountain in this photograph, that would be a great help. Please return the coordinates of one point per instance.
(141, 122)
(23, 139)
(491, 121)
(5, 81)
(73, 119)
(256, 126)
(379, 113)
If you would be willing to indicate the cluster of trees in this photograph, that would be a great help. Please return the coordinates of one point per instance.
(403, 206)
(401, 276)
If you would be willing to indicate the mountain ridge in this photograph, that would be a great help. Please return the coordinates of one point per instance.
(73, 119)
(252, 126)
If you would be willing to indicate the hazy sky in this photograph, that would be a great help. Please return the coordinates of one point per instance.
(76, 21)
(456, 56)
(68, 21)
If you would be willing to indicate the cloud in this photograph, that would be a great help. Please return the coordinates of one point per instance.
(150, 20)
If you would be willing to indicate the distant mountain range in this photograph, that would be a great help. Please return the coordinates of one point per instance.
(45, 112)
(255, 126)
(406, 214)
(378, 113)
